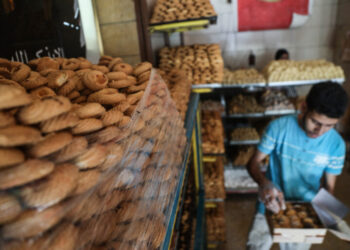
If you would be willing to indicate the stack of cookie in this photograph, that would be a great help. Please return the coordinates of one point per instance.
(214, 179)
(180, 10)
(243, 76)
(82, 154)
(212, 128)
(243, 134)
(202, 63)
(215, 220)
(242, 104)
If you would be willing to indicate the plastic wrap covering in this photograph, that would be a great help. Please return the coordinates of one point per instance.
(98, 175)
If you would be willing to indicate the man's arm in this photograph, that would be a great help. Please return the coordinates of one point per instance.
(330, 182)
(254, 167)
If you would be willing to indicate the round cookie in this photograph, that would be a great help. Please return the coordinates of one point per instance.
(75, 148)
(16, 135)
(10, 207)
(95, 80)
(10, 157)
(92, 157)
(90, 110)
(88, 125)
(107, 96)
(11, 97)
(42, 92)
(60, 122)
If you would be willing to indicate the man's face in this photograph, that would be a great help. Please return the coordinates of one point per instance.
(316, 124)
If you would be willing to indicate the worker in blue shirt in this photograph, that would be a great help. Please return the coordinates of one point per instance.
(303, 149)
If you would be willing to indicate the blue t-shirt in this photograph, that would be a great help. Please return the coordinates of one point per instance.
(297, 162)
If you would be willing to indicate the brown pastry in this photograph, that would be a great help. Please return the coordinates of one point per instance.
(101, 68)
(42, 92)
(11, 97)
(20, 72)
(44, 109)
(10, 157)
(46, 72)
(50, 144)
(133, 98)
(80, 99)
(52, 189)
(6, 119)
(130, 110)
(95, 80)
(68, 87)
(5, 63)
(92, 157)
(33, 222)
(47, 63)
(118, 84)
(144, 76)
(74, 94)
(86, 180)
(18, 135)
(56, 79)
(89, 110)
(122, 106)
(26, 172)
(113, 116)
(114, 156)
(71, 64)
(142, 67)
(60, 122)
(125, 121)
(10, 207)
(117, 75)
(34, 80)
(75, 148)
(114, 62)
(123, 67)
(5, 73)
(105, 135)
(137, 88)
(84, 63)
(11, 83)
(87, 126)
(107, 96)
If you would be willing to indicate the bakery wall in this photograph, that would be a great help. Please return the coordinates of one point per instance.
(311, 41)
(118, 29)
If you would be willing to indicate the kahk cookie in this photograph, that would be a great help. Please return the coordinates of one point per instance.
(90, 110)
(123, 67)
(86, 180)
(60, 122)
(133, 98)
(92, 157)
(122, 106)
(71, 64)
(50, 144)
(75, 148)
(118, 84)
(113, 116)
(34, 80)
(117, 75)
(26, 172)
(105, 135)
(101, 68)
(87, 126)
(52, 189)
(42, 92)
(46, 63)
(17, 135)
(142, 67)
(68, 87)
(44, 109)
(6, 119)
(56, 79)
(10, 208)
(95, 80)
(11, 97)
(20, 72)
(11, 83)
(74, 94)
(107, 96)
(80, 99)
(137, 88)
(10, 157)
(124, 121)
(144, 76)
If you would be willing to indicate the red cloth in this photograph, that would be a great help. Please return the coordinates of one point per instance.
(260, 15)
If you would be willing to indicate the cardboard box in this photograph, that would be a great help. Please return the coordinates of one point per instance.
(330, 212)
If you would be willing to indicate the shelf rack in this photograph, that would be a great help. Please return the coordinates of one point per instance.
(246, 142)
(263, 114)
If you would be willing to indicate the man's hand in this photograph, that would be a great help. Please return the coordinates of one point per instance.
(271, 197)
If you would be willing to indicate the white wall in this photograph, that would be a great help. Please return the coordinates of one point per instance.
(311, 41)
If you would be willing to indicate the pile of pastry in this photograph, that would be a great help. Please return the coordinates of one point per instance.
(215, 220)
(202, 63)
(297, 215)
(289, 70)
(244, 134)
(76, 151)
(214, 179)
(243, 76)
(212, 130)
(242, 104)
(180, 10)
(275, 100)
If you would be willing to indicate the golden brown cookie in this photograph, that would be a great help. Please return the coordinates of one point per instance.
(117, 75)
(50, 144)
(60, 122)
(125, 121)
(101, 68)
(145, 76)
(118, 84)
(33, 222)
(56, 79)
(42, 92)
(80, 99)
(133, 98)
(95, 80)
(108, 96)
(74, 94)
(75, 148)
(34, 80)
(142, 67)
(47, 63)
(5, 63)
(44, 109)
(46, 72)
(105, 135)
(10, 208)
(92, 157)
(52, 189)
(113, 116)
(18, 135)
(89, 110)
(11, 97)
(5, 73)
(26, 172)
(20, 72)
(123, 67)
(6, 119)
(11, 83)
(114, 156)
(88, 125)
(68, 87)
(137, 88)
(122, 106)
(10, 157)
(84, 63)
(114, 62)
(71, 64)
(86, 180)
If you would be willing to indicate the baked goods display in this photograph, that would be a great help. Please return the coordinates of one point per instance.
(289, 70)
(214, 179)
(244, 134)
(180, 10)
(243, 76)
(78, 142)
(215, 220)
(242, 104)
(238, 178)
(275, 100)
(202, 63)
(297, 215)
(212, 129)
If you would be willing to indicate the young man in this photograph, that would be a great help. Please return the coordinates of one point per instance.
(302, 150)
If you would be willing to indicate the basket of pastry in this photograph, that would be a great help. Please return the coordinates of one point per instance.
(297, 223)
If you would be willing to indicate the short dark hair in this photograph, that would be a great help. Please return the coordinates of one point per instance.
(327, 98)
(279, 53)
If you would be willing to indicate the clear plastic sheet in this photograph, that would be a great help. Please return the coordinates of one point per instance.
(102, 193)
